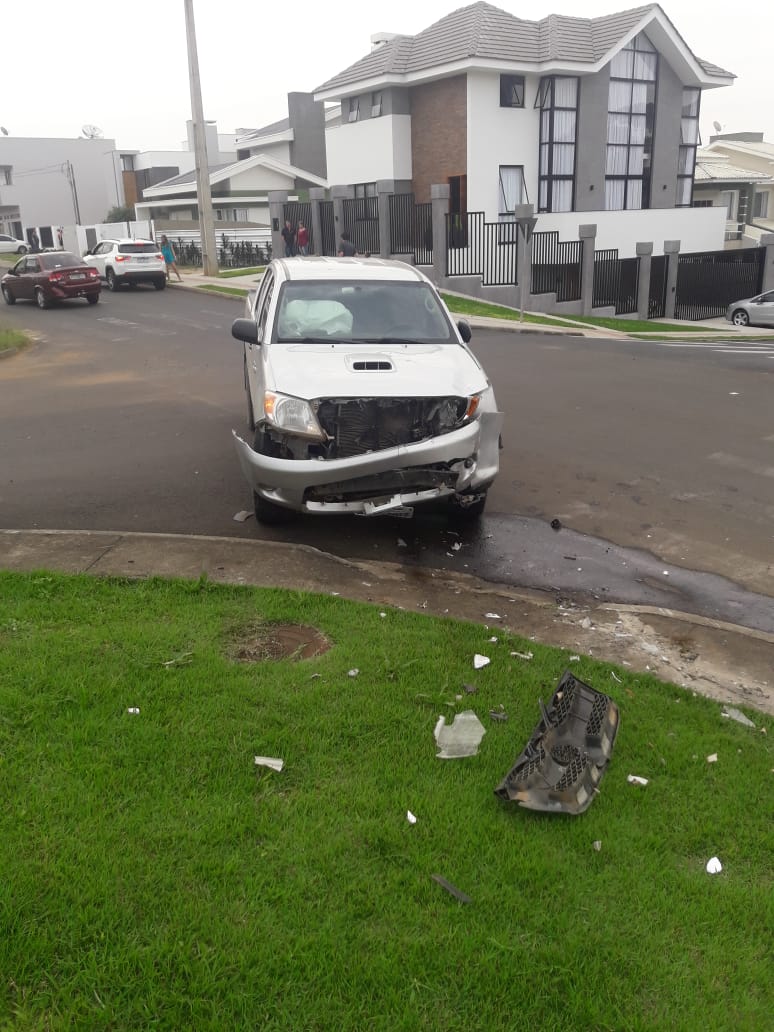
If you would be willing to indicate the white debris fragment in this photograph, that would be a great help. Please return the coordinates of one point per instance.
(615, 677)
(456, 546)
(241, 516)
(269, 761)
(633, 779)
(410, 817)
(353, 672)
(133, 709)
(493, 639)
(597, 844)
(383, 615)
(574, 659)
(714, 866)
(492, 616)
(366, 584)
(480, 661)
(737, 715)
(586, 623)
(462, 738)
(713, 758)
(523, 655)
(402, 543)
(665, 572)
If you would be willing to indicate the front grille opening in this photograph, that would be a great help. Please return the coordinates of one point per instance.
(372, 367)
(356, 426)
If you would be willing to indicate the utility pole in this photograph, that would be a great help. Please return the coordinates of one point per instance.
(70, 173)
(203, 193)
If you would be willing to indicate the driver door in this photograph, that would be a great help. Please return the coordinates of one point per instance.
(29, 273)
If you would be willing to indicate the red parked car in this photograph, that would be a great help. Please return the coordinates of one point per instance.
(48, 277)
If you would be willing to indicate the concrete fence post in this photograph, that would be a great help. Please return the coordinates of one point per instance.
(588, 237)
(644, 253)
(338, 195)
(439, 198)
(767, 241)
(672, 252)
(524, 256)
(384, 188)
(277, 199)
(316, 196)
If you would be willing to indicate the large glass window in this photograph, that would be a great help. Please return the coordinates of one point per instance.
(689, 141)
(511, 190)
(630, 120)
(557, 99)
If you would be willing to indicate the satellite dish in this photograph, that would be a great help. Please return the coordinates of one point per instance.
(92, 132)
(718, 127)
(3, 130)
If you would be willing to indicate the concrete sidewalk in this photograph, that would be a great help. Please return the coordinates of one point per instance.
(727, 663)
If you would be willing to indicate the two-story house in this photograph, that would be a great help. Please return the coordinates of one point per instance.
(591, 120)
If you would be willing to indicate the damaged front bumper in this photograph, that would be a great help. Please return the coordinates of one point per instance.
(463, 461)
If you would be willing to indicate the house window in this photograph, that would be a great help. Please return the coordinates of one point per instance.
(630, 119)
(701, 204)
(365, 189)
(557, 99)
(761, 206)
(5, 175)
(353, 109)
(511, 91)
(511, 191)
(127, 162)
(376, 104)
(689, 141)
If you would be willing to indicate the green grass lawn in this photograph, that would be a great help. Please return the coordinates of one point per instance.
(229, 273)
(642, 325)
(12, 340)
(217, 289)
(468, 306)
(151, 876)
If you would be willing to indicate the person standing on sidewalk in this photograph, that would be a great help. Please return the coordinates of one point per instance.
(302, 238)
(169, 258)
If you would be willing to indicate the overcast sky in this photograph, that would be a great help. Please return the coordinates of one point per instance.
(123, 66)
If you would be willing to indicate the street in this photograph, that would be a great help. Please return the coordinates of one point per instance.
(655, 457)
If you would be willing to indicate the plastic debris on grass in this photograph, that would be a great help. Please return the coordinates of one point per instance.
(480, 661)
(410, 817)
(714, 866)
(567, 754)
(737, 715)
(713, 758)
(492, 616)
(269, 761)
(353, 672)
(597, 844)
(498, 715)
(634, 779)
(460, 739)
(451, 889)
(523, 655)
(133, 709)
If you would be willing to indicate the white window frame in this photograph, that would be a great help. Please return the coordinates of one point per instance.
(353, 114)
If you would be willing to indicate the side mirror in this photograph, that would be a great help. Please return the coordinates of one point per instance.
(246, 330)
(465, 332)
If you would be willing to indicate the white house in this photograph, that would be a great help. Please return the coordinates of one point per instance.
(752, 204)
(592, 120)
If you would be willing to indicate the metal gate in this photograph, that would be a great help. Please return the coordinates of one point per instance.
(615, 282)
(708, 281)
(327, 228)
(556, 266)
(411, 228)
(299, 211)
(361, 218)
(475, 247)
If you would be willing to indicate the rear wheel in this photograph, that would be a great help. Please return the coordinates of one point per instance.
(93, 299)
(40, 298)
(8, 296)
(21, 250)
(740, 318)
(112, 282)
(160, 283)
(269, 513)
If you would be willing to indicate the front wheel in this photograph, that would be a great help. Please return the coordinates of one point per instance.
(21, 250)
(8, 297)
(269, 513)
(40, 298)
(740, 318)
(112, 282)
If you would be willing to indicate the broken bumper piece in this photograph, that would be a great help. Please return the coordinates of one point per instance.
(568, 752)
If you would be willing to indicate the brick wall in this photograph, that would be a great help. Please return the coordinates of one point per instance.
(439, 135)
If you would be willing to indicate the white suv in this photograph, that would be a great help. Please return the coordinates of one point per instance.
(128, 261)
(362, 394)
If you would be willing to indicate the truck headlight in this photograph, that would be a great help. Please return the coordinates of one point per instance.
(291, 415)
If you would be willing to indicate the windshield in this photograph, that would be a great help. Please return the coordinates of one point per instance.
(137, 248)
(362, 311)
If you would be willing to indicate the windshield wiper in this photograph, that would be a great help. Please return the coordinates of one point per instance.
(322, 340)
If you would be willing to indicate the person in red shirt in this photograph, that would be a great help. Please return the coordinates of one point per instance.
(302, 239)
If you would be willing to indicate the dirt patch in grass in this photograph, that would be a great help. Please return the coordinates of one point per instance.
(278, 641)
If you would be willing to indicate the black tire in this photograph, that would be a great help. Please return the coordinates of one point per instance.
(159, 284)
(111, 280)
(269, 513)
(40, 298)
(21, 250)
(8, 296)
(471, 512)
(92, 299)
(740, 318)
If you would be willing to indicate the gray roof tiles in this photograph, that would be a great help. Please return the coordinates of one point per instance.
(484, 31)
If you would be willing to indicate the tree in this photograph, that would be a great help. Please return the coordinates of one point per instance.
(118, 214)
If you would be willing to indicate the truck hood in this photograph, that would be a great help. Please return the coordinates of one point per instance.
(374, 370)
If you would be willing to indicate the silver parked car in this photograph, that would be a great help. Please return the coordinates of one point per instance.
(753, 311)
(362, 394)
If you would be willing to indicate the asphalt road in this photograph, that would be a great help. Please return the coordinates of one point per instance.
(655, 457)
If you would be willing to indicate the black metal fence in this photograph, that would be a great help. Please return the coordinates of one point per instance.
(328, 228)
(556, 266)
(361, 218)
(299, 211)
(659, 266)
(233, 252)
(615, 282)
(708, 281)
(411, 228)
(475, 247)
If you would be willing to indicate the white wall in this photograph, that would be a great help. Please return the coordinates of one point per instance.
(364, 152)
(499, 136)
(697, 229)
(184, 160)
(280, 151)
(258, 178)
